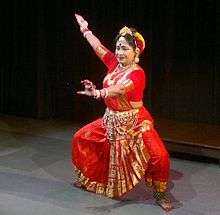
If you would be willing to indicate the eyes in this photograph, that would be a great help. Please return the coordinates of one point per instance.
(122, 47)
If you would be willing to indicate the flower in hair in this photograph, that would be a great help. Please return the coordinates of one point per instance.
(140, 41)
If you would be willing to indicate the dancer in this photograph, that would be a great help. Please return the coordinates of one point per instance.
(113, 153)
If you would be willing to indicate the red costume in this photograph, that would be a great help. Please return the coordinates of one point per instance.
(112, 154)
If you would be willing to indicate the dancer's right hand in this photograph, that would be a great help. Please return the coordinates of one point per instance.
(89, 88)
(83, 24)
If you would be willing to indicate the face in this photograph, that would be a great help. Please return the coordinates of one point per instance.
(124, 52)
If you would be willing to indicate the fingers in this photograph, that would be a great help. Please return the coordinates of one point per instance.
(83, 24)
(81, 92)
(88, 84)
(78, 16)
(86, 93)
(81, 20)
(86, 81)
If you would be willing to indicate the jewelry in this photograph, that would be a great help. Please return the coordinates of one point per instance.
(106, 92)
(103, 93)
(97, 94)
(119, 73)
(125, 30)
(123, 68)
(87, 32)
(136, 60)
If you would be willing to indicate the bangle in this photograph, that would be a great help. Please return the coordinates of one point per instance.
(97, 94)
(83, 30)
(87, 32)
(103, 92)
(106, 92)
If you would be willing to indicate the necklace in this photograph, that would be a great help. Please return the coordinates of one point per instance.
(123, 68)
(118, 73)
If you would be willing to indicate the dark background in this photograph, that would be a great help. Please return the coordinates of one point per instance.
(44, 56)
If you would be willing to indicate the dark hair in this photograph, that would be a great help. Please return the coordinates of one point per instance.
(129, 38)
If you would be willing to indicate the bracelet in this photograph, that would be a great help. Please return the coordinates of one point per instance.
(87, 32)
(97, 94)
(83, 30)
(104, 93)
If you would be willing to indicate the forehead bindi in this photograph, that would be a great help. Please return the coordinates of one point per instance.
(122, 45)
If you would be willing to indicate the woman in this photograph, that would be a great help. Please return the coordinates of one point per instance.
(112, 154)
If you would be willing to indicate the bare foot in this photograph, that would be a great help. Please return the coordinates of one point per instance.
(163, 201)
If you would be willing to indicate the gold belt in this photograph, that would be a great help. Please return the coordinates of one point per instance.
(119, 124)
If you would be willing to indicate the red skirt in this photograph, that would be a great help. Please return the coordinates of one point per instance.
(113, 166)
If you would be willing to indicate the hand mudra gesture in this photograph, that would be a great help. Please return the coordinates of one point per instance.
(89, 88)
(83, 24)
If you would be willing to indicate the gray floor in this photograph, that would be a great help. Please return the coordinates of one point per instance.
(36, 177)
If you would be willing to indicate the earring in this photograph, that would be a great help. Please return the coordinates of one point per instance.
(136, 60)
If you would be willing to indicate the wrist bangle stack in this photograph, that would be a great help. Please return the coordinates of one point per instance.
(84, 29)
(97, 94)
(103, 93)
(87, 32)
(106, 92)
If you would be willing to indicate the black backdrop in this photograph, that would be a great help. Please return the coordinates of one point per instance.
(44, 56)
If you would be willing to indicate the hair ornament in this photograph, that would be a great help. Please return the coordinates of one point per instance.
(125, 30)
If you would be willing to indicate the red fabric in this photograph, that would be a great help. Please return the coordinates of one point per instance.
(137, 77)
(110, 61)
(91, 149)
(90, 153)
(140, 44)
(139, 81)
(159, 164)
(135, 95)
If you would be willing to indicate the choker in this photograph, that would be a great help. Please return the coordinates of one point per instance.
(123, 68)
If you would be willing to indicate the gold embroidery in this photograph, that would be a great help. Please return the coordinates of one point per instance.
(87, 134)
(119, 124)
(118, 76)
(149, 182)
(128, 154)
(138, 104)
(146, 125)
(128, 85)
(160, 186)
(128, 158)
(123, 103)
(101, 51)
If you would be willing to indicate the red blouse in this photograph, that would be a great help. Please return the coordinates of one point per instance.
(135, 76)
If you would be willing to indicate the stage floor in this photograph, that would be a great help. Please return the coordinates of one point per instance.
(36, 177)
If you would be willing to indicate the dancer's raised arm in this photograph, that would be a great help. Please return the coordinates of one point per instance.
(95, 43)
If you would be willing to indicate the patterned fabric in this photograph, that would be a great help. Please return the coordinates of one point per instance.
(113, 153)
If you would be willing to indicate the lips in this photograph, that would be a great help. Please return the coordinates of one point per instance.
(121, 57)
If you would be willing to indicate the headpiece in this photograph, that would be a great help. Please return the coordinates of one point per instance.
(138, 38)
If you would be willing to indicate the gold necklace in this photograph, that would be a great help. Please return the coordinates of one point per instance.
(109, 78)
(124, 68)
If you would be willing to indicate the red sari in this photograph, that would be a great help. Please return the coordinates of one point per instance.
(113, 153)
